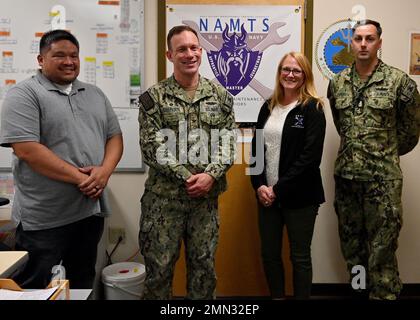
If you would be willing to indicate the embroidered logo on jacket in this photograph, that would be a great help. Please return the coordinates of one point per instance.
(298, 122)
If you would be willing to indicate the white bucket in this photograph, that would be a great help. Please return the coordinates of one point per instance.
(124, 281)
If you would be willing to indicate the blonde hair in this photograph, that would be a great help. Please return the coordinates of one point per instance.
(306, 92)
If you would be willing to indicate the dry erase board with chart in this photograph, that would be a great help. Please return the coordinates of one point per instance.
(111, 36)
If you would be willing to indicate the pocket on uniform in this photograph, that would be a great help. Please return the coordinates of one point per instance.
(380, 113)
(212, 119)
(211, 112)
(171, 119)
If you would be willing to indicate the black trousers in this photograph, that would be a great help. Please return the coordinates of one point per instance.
(300, 226)
(75, 245)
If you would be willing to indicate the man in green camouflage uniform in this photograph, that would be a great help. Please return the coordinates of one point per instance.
(376, 110)
(181, 193)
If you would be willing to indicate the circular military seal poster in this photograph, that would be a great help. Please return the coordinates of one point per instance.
(333, 53)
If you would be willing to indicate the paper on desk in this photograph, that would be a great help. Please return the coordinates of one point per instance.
(43, 294)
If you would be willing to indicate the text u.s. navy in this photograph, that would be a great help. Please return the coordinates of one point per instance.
(211, 309)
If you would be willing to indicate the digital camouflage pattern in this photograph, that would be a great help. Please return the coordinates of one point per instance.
(169, 215)
(378, 128)
(166, 105)
(164, 222)
(377, 120)
(371, 211)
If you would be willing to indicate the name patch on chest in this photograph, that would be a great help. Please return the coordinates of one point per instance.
(211, 107)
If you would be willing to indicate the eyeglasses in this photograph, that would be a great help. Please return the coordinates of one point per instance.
(295, 72)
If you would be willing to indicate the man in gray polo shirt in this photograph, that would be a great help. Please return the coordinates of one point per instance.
(66, 141)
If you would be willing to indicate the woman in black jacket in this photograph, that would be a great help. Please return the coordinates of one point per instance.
(289, 138)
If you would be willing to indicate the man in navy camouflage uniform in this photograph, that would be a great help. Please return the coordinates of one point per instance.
(376, 110)
(181, 192)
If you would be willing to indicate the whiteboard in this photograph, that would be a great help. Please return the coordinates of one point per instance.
(111, 37)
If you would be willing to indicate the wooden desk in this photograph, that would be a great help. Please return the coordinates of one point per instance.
(10, 261)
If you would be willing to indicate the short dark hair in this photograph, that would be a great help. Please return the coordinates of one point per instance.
(366, 22)
(177, 30)
(52, 36)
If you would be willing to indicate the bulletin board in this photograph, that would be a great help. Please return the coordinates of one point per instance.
(111, 37)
